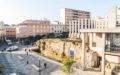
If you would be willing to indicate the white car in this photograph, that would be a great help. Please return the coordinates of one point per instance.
(13, 74)
(12, 48)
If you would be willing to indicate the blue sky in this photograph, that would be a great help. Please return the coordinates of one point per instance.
(16, 11)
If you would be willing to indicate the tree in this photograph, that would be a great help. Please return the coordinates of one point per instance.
(67, 63)
(64, 35)
(51, 35)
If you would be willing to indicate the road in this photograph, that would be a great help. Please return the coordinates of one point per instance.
(16, 62)
(19, 61)
(7, 66)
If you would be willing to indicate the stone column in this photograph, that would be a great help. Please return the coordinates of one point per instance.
(103, 54)
(83, 51)
(91, 39)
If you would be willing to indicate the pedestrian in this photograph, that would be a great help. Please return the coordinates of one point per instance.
(27, 62)
(45, 65)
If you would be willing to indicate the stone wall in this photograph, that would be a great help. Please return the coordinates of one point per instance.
(57, 48)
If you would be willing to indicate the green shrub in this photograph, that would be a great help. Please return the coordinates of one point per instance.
(67, 63)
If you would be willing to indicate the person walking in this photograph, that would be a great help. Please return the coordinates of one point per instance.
(45, 65)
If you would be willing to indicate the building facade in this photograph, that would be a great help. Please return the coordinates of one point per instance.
(57, 27)
(1, 29)
(10, 31)
(33, 28)
(76, 25)
(68, 14)
(113, 17)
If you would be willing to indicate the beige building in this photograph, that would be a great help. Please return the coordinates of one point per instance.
(33, 28)
(22, 31)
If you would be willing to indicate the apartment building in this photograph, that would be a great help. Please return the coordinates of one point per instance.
(68, 14)
(33, 28)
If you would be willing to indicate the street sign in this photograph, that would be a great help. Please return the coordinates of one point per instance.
(72, 52)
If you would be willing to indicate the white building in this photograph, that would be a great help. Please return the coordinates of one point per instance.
(105, 40)
(113, 17)
(57, 27)
(76, 25)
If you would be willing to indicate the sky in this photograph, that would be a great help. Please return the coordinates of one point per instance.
(16, 11)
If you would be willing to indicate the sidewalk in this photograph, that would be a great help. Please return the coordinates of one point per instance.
(60, 72)
(78, 72)
(47, 59)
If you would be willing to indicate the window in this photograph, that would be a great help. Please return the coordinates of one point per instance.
(90, 26)
(87, 26)
(80, 26)
(83, 26)
(118, 20)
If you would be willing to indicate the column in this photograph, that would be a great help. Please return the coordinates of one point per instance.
(91, 40)
(103, 54)
(83, 51)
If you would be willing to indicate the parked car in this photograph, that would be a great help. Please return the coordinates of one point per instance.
(12, 48)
